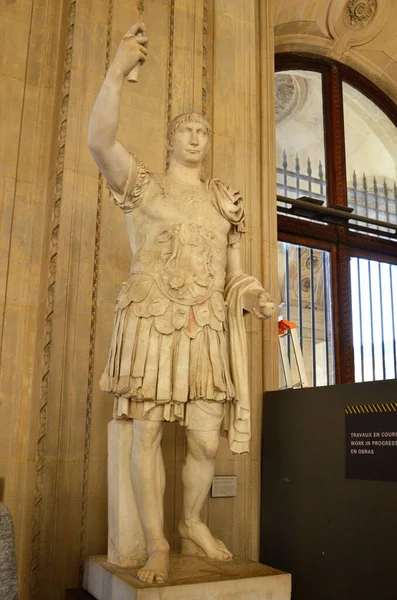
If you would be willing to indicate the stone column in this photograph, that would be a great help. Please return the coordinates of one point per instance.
(268, 186)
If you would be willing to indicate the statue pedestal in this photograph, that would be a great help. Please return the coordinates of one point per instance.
(191, 578)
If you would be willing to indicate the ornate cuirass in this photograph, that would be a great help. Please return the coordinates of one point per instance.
(180, 241)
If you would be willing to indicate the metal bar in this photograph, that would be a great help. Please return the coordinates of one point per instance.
(300, 311)
(365, 188)
(361, 317)
(376, 199)
(395, 194)
(355, 309)
(381, 323)
(287, 293)
(354, 190)
(313, 318)
(393, 324)
(395, 204)
(285, 165)
(297, 173)
(371, 312)
(386, 196)
(309, 174)
(325, 210)
(325, 302)
(321, 178)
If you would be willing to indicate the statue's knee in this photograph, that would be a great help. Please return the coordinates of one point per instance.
(203, 445)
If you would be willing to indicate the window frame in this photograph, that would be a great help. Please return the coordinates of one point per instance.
(341, 242)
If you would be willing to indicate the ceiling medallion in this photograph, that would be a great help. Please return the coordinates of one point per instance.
(359, 13)
(290, 95)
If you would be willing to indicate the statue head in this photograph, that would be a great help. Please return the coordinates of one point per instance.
(188, 137)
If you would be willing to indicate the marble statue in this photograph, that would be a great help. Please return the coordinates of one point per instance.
(178, 351)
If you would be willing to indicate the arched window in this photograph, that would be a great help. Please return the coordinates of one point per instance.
(336, 160)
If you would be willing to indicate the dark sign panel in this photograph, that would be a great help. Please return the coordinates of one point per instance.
(371, 441)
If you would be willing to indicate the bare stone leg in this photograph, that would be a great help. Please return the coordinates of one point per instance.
(197, 475)
(149, 480)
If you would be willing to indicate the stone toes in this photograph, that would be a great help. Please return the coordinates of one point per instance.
(150, 577)
(160, 578)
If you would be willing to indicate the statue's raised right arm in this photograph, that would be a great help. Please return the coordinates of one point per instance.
(109, 154)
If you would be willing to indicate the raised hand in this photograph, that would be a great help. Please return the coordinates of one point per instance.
(132, 49)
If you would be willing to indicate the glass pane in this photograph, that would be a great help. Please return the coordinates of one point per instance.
(371, 157)
(305, 299)
(373, 287)
(300, 135)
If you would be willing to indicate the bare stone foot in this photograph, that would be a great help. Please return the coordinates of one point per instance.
(156, 567)
(197, 539)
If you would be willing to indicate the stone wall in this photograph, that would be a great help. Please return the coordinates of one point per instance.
(32, 54)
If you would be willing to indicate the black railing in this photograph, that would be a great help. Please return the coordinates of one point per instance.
(291, 181)
(374, 201)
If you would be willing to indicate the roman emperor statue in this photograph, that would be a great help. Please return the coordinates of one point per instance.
(178, 349)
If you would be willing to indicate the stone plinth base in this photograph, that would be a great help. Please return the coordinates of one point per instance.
(191, 578)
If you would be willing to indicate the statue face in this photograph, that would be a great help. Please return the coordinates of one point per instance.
(190, 143)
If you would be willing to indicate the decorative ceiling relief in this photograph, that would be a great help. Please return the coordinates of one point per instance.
(290, 95)
(356, 22)
(359, 13)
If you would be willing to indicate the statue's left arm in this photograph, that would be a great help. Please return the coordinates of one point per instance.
(230, 205)
(257, 301)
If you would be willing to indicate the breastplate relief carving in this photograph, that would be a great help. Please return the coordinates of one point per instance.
(184, 267)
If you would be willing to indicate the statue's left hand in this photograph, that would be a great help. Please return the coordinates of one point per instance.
(259, 303)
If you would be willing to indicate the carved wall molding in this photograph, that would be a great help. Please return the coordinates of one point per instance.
(170, 66)
(205, 58)
(207, 70)
(359, 13)
(49, 312)
(93, 319)
(170, 59)
(356, 22)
